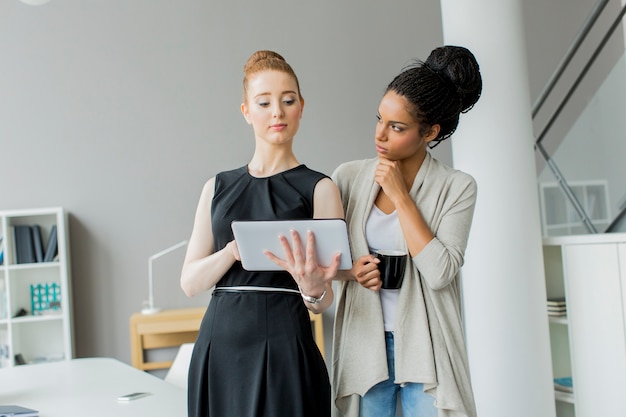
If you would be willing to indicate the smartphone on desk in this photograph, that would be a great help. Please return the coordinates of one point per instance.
(133, 396)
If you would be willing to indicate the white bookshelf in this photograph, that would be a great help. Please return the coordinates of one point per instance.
(559, 329)
(47, 335)
(589, 344)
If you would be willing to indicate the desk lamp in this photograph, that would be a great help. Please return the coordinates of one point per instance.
(150, 308)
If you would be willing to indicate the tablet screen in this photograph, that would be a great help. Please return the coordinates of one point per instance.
(254, 237)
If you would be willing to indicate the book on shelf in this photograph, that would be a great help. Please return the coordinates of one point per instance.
(37, 242)
(3, 305)
(17, 411)
(564, 384)
(556, 302)
(557, 307)
(52, 246)
(24, 249)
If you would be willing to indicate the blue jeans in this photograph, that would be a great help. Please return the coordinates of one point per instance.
(381, 399)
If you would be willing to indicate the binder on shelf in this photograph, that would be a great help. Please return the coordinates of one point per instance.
(52, 246)
(37, 242)
(8, 240)
(557, 307)
(3, 307)
(24, 250)
(557, 313)
(17, 411)
(556, 302)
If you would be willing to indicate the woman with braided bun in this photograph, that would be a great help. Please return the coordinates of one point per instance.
(255, 355)
(408, 344)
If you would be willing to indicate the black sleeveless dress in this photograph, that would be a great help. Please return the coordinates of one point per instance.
(255, 355)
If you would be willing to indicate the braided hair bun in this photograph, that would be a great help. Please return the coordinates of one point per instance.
(457, 65)
(438, 90)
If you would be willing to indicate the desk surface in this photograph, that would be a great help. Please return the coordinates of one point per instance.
(89, 387)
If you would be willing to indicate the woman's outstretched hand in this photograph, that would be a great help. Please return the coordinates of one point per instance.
(301, 262)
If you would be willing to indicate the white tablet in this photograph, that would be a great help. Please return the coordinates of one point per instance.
(254, 237)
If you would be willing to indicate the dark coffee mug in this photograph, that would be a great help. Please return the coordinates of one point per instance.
(392, 265)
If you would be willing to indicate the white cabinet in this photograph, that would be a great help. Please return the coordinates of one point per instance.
(559, 218)
(590, 346)
(35, 295)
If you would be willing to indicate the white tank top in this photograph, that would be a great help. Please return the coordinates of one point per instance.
(383, 232)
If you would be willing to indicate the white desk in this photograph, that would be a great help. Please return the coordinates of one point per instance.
(89, 387)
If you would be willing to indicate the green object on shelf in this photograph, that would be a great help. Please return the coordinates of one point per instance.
(45, 297)
(564, 384)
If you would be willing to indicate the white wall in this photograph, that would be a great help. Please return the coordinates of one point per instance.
(119, 111)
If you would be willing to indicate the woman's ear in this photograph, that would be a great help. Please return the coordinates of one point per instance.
(244, 111)
(433, 133)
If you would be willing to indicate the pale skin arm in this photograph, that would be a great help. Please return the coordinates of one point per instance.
(202, 267)
(301, 262)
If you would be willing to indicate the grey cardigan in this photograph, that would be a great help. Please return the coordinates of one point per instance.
(429, 339)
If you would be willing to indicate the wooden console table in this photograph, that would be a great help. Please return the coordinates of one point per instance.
(167, 328)
(172, 328)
